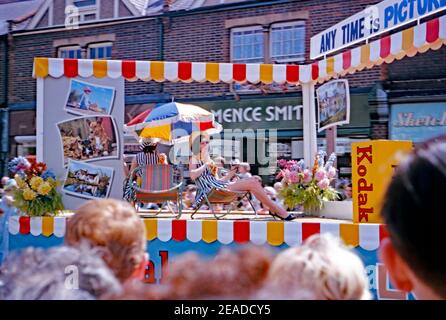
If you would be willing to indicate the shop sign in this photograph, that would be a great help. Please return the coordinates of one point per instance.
(417, 122)
(279, 113)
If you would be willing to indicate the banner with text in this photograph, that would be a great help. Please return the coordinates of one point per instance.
(370, 22)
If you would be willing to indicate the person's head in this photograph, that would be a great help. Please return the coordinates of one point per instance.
(321, 269)
(230, 274)
(115, 226)
(148, 145)
(199, 144)
(220, 162)
(244, 167)
(4, 180)
(415, 223)
(278, 186)
(348, 191)
(191, 189)
(10, 186)
(271, 192)
(58, 273)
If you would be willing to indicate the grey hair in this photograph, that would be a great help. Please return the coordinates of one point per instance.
(38, 274)
(323, 268)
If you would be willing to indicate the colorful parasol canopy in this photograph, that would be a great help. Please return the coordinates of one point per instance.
(172, 121)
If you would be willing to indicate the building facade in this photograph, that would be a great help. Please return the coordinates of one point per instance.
(223, 31)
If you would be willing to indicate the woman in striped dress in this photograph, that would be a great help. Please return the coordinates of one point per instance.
(203, 172)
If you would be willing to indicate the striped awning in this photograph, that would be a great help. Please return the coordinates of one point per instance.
(418, 39)
(161, 71)
(409, 42)
(368, 236)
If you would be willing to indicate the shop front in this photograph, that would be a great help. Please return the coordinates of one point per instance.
(417, 121)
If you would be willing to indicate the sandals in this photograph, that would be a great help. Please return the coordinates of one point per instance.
(290, 217)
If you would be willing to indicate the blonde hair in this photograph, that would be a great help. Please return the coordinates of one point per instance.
(194, 143)
(321, 269)
(115, 226)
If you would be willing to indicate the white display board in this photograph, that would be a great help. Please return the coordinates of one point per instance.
(80, 136)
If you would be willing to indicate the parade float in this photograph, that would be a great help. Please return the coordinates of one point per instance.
(64, 86)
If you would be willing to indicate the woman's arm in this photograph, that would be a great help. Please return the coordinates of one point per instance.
(230, 175)
(134, 165)
(195, 172)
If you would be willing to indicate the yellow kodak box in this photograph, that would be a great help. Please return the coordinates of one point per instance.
(373, 163)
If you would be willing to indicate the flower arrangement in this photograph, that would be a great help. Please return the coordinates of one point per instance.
(307, 187)
(36, 193)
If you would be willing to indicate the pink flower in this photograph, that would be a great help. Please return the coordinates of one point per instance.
(331, 173)
(293, 177)
(307, 176)
(320, 174)
(324, 183)
(282, 163)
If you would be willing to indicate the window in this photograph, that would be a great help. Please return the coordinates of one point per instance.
(88, 9)
(100, 50)
(84, 3)
(247, 45)
(288, 42)
(72, 52)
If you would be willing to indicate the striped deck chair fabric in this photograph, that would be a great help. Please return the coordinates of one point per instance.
(156, 182)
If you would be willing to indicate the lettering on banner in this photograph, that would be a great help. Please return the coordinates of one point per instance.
(364, 157)
(150, 275)
(375, 19)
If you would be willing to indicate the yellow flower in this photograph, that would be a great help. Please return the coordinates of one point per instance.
(35, 182)
(20, 182)
(28, 194)
(52, 182)
(44, 189)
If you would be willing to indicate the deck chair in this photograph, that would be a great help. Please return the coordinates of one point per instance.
(224, 197)
(159, 183)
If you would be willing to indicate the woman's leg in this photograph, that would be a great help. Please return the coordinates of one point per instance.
(254, 186)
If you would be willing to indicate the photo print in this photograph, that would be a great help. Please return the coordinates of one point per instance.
(89, 138)
(89, 99)
(86, 180)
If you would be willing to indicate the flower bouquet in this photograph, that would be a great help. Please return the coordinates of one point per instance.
(305, 187)
(36, 193)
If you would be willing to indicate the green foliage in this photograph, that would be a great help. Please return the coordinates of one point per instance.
(41, 205)
(311, 197)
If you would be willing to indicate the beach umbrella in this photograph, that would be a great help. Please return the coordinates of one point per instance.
(172, 122)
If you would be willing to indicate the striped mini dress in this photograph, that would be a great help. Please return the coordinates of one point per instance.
(205, 183)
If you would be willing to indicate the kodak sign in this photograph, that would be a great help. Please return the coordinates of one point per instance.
(373, 163)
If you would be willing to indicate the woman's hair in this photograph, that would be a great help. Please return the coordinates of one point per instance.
(115, 226)
(321, 269)
(412, 212)
(148, 145)
(230, 274)
(148, 149)
(58, 273)
(195, 140)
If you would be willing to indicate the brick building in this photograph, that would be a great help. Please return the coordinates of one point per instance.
(215, 31)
